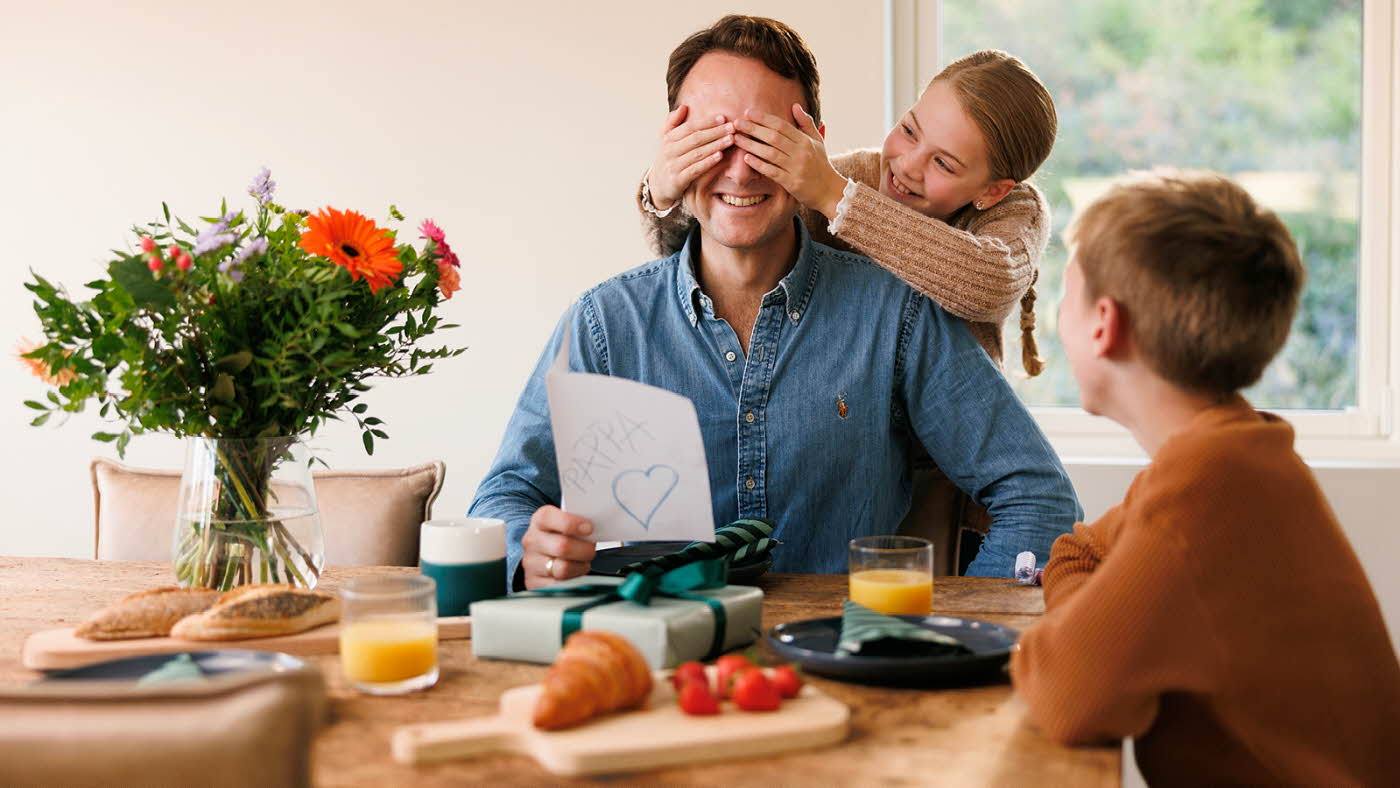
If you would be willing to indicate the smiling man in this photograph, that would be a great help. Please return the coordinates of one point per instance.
(815, 374)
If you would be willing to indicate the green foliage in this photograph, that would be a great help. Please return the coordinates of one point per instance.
(1230, 85)
(275, 346)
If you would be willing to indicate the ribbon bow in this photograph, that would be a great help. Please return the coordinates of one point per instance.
(640, 587)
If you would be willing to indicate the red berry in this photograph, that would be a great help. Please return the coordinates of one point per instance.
(173, 251)
(754, 692)
(689, 671)
(184, 261)
(696, 698)
(725, 669)
(786, 680)
(154, 263)
(148, 244)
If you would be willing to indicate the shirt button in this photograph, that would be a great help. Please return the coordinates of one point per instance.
(795, 315)
(749, 483)
(730, 356)
(749, 417)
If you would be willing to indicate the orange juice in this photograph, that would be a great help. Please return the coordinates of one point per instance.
(893, 591)
(385, 650)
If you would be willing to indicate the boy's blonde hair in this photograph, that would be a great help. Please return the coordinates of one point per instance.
(1208, 279)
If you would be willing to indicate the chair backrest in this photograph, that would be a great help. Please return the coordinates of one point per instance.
(940, 512)
(370, 517)
(231, 730)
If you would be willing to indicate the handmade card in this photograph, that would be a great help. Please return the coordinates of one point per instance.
(631, 458)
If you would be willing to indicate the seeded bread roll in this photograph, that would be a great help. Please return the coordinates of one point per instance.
(146, 614)
(260, 611)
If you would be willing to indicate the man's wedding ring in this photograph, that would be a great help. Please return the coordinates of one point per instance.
(549, 566)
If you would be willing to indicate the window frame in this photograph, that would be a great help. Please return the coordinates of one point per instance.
(1366, 432)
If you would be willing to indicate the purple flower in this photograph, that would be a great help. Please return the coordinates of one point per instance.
(216, 235)
(234, 265)
(262, 186)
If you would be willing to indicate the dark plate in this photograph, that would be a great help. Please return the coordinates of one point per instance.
(613, 560)
(213, 663)
(812, 643)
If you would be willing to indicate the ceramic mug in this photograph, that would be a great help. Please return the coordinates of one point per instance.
(467, 558)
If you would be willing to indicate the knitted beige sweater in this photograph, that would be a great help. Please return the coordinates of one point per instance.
(978, 264)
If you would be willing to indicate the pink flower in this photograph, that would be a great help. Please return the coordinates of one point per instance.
(432, 232)
(449, 256)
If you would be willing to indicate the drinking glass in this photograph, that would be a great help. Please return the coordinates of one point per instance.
(892, 574)
(388, 634)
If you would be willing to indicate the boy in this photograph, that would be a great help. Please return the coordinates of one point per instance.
(1218, 614)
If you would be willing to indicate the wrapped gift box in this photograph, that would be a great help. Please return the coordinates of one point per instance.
(668, 631)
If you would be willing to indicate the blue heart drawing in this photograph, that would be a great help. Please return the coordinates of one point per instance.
(639, 491)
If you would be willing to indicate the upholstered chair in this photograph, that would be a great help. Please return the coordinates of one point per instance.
(369, 517)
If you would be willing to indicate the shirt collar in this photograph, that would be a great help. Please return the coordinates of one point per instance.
(794, 290)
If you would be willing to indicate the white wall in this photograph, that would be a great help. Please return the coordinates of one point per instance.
(520, 128)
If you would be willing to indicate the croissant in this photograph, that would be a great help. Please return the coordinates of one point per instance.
(595, 673)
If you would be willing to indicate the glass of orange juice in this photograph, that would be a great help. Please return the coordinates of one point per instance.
(388, 634)
(892, 574)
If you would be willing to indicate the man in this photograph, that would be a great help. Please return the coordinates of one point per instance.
(815, 374)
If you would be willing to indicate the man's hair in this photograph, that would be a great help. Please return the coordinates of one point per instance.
(768, 41)
(1011, 108)
(1208, 280)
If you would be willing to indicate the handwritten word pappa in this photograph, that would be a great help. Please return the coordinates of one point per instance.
(601, 447)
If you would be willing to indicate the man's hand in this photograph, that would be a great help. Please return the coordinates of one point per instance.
(794, 157)
(687, 151)
(553, 547)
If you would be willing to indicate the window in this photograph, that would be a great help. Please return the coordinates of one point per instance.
(1266, 91)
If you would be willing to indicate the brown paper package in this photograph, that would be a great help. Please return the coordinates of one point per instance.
(253, 729)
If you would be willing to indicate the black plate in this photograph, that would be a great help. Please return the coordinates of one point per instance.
(611, 561)
(812, 643)
(213, 663)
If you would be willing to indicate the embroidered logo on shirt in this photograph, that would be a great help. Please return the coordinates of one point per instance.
(841, 409)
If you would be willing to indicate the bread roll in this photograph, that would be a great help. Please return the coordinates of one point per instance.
(260, 611)
(146, 614)
(596, 672)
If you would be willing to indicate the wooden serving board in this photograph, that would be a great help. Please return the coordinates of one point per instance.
(56, 649)
(660, 734)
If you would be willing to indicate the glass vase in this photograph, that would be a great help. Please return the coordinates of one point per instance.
(247, 514)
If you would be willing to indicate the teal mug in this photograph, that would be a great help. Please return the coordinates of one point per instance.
(467, 558)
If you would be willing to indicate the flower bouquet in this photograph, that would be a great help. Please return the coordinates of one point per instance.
(244, 333)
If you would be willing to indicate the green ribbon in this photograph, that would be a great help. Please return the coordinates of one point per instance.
(741, 541)
(641, 587)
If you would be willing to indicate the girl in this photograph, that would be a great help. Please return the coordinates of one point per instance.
(944, 204)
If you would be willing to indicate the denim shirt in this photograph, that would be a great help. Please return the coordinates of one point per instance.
(848, 370)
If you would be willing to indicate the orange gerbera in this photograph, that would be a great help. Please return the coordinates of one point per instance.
(39, 368)
(354, 243)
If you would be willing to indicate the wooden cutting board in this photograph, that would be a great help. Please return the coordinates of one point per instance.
(55, 649)
(655, 736)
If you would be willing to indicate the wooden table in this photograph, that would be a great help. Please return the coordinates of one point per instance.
(968, 736)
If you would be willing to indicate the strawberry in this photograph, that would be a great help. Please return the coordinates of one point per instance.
(689, 671)
(754, 692)
(725, 668)
(696, 698)
(786, 680)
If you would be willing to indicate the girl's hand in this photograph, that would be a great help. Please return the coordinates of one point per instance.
(687, 151)
(794, 157)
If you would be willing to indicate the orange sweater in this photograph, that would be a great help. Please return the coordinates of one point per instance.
(1219, 616)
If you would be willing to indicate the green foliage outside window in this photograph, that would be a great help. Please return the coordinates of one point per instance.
(1268, 91)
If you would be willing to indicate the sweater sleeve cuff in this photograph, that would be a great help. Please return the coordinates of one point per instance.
(842, 207)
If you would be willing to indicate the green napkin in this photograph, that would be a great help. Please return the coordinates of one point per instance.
(181, 668)
(867, 633)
